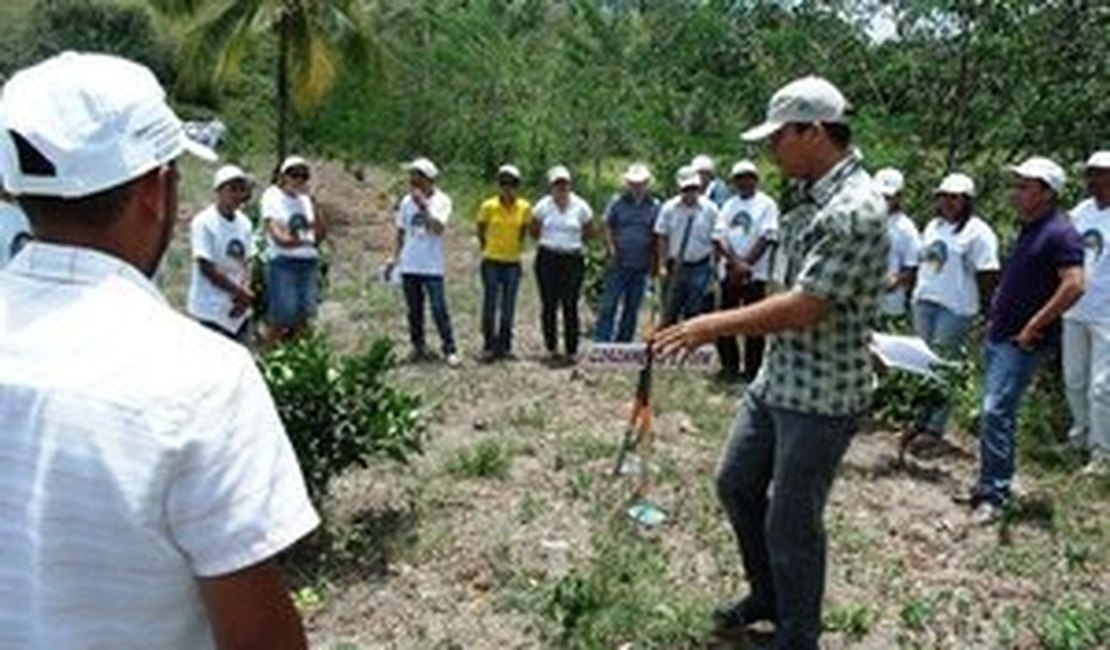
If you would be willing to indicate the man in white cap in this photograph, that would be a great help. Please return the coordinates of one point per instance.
(712, 187)
(687, 233)
(629, 223)
(798, 417)
(422, 217)
(750, 224)
(1041, 279)
(905, 244)
(220, 296)
(15, 229)
(149, 483)
(1087, 324)
(502, 224)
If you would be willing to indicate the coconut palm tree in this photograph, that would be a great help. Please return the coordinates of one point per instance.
(316, 39)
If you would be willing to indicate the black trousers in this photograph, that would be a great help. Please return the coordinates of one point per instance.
(560, 278)
(727, 348)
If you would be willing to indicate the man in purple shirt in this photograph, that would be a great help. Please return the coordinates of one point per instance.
(1042, 278)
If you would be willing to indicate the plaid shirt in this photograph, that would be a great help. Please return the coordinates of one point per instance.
(836, 246)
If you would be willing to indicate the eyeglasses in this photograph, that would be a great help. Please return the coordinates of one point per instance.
(298, 174)
(508, 182)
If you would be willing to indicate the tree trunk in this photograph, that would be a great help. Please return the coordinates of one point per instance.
(282, 107)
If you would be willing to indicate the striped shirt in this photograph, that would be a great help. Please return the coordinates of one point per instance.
(138, 451)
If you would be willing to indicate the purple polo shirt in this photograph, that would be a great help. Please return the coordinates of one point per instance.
(1032, 274)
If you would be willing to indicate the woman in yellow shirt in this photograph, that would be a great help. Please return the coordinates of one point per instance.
(502, 223)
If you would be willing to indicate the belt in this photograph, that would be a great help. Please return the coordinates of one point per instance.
(704, 260)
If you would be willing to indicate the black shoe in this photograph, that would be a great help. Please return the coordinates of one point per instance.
(742, 615)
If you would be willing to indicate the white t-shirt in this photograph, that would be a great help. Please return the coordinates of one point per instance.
(297, 214)
(561, 230)
(744, 222)
(15, 231)
(705, 230)
(140, 452)
(950, 260)
(1093, 225)
(905, 249)
(422, 251)
(226, 243)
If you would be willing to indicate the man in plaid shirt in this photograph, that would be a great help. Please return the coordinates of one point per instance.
(798, 416)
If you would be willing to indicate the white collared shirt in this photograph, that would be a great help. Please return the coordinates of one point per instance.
(706, 228)
(139, 452)
(15, 231)
(228, 245)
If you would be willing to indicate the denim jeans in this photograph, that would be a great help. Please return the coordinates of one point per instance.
(773, 481)
(1009, 370)
(624, 288)
(560, 278)
(685, 294)
(415, 287)
(944, 331)
(500, 282)
(292, 290)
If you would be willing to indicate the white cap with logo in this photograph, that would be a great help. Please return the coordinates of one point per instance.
(1099, 160)
(509, 170)
(292, 162)
(688, 178)
(558, 173)
(806, 100)
(889, 181)
(1042, 169)
(228, 173)
(703, 163)
(956, 183)
(78, 124)
(637, 173)
(743, 167)
(422, 166)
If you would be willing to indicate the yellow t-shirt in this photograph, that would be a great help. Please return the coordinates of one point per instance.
(504, 228)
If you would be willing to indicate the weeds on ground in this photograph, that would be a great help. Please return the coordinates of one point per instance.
(854, 620)
(488, 458)
(1073, 625)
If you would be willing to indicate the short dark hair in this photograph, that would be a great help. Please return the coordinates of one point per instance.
(97, 210)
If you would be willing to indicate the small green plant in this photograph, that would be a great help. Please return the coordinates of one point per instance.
(1071, 625)
(853, 620)
(488, 458)
(341, 412)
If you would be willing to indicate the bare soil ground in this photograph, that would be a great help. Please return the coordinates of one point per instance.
(492, 537)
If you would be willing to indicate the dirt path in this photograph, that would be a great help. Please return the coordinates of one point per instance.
(510, 521)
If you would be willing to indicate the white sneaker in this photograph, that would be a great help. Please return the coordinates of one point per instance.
(454, 360)
(985, 514)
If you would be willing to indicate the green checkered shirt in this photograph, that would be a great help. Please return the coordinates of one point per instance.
(836, 248)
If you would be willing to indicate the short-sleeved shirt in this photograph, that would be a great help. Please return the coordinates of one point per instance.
(294, 212)
(1032, 274)
(905, 249)
(422, 251)
(951, 258)
(837, 248)
(704, 229)
(505, 228)
(631, 223)
(15, 231)
(226, 242)
(1093, 224)
(718, 192)
(141, 452)
(744, 221)
(561, 230)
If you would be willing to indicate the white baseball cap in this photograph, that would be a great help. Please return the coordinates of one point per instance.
(509, 170)
(1099, 160)
(228, 173)
(744, 167)
(805, 100)
(889, 181)
(956, 184)
(558, 173)
(688, 178)
(422, 166)
(637, 173)
(703, 163)
(1043, 170)
(78, 124)
(292, 162)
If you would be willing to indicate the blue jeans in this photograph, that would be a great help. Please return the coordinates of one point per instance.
(944, 331)
(1009, 370)
(685, 293)
(500, 282)
(416, 286)
(292, 290)
(624, 287)
(781, 531)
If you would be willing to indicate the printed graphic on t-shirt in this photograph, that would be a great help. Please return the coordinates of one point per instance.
(935, 256)
(741, 221)
(18, 242)
(298, 224)
(236, 249)
(1093, 245)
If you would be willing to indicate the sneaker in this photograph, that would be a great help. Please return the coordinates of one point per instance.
(742, 615)
(1098, 466)
(487, 356)
(454, 360)
(985, 514)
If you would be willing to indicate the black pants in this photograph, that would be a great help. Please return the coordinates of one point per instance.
(560, 278)
(727, 348)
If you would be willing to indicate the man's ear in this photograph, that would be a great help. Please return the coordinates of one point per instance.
(148, 192)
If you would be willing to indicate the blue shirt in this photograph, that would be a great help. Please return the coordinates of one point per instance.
(631, 223)
(718, 192)
(1031, 275)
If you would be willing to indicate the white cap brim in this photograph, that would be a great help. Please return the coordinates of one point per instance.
(199, 150)
(761, 132)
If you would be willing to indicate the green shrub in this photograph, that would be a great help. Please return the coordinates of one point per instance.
(487, 459)
(1074, 626)
(339, 412)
